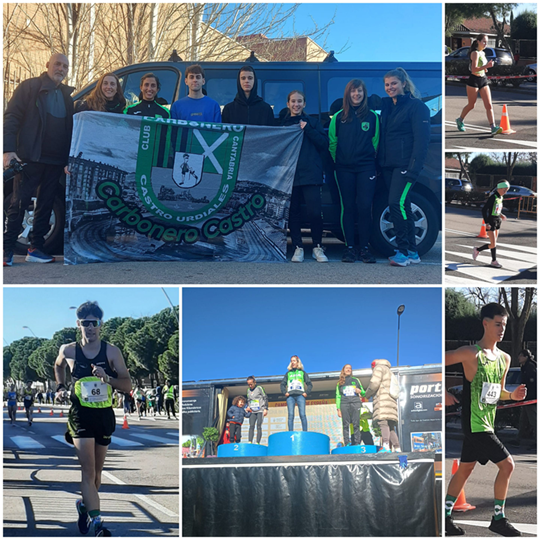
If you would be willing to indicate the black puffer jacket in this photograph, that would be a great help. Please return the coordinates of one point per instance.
(405, 134)
(309, 169)
(26, 114)
(252, 111)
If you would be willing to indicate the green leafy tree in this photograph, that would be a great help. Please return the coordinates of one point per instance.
(109, 329)
(461, 316)
(524, 26)
(169, 361)
(19, 369)
(455, 14)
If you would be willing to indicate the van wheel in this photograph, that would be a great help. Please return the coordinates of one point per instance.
(383, 237)
(55, 235)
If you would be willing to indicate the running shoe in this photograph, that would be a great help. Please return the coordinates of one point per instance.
(84, 520)
(349, 255)
(496, 130)
(8, 257)
(399, 259)
(37, 256)
(298, 255)
(414, 258)
(460, 124)
(318, 254)
(495, 264)
(366, 256)
(503, 527)
(475, 253)
(451, 528)
(98, 527)
(384, 450)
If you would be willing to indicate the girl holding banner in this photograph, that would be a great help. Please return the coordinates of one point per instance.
(107, 96)
(296, 386)
(308, 178)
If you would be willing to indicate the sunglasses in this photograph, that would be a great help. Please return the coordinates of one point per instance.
(86, 323)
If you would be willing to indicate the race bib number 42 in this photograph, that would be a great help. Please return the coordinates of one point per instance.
(491, 392)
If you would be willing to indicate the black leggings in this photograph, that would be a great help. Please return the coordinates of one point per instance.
(399, 199)
(256, 418)
(356, 190)
(312, 197)
(235, 432)
(350, 414)
(169, 407)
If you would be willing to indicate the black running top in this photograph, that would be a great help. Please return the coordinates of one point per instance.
(83, 366)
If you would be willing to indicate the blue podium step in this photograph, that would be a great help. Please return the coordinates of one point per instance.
(358, 449)
(298, 443)
(241, 450)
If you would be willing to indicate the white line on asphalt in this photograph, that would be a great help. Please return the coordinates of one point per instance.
(173, 433)
(527, 249)
(482, 264)
(26, 443)
(153, 438)
(62, 439)
(514, 141)
(520, 255)
(460, 232)
(454, 281)
(468, 126)
(528, 528)
(143, 498)
(124, 442)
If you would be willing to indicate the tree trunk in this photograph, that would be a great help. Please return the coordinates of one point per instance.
(517, 319)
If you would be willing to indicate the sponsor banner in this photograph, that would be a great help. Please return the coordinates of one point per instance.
(172, 190)
(420, 403)
(196, 413)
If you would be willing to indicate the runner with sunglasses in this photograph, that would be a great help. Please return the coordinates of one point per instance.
(97, 368)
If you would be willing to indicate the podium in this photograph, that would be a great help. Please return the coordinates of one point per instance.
(357, 449)
(298, 443)
(234, 450)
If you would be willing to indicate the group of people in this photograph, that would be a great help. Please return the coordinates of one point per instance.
(152, 401)
(27, 396)
(363, 145)
(296, 386)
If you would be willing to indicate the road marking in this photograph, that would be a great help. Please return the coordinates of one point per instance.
(527, 249)
(153, 438)
(26, 443)
(469, 126)
(513, 141)
(143, 498)
(526, 257)
(455, 281)
(62, 439)
(528, 528)
(462, 233)
(173, 433)
(124, 442)
(483, 263)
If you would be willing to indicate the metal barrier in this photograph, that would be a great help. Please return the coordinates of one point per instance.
(527, 205)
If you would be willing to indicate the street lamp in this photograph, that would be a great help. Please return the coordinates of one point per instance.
(28, 328)
(400, 311)
(168, 299)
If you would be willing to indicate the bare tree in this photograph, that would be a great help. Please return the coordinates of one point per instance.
(509, 159)
(463, 158)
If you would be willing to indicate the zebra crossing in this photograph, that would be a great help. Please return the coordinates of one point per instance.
(462, 270)
(28, 442)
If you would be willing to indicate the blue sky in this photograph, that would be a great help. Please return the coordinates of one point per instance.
(46, 309)
(377, 32)
(235, 332)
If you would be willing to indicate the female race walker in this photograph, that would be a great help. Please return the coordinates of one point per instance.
(493, 217)
(296, 386)
(107, 96)
(308, 178)
(405, 133)
(478, 84)
(354, 139)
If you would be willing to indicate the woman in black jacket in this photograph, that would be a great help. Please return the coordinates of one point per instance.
(405, 133)
(107, 96)
(308, 178)
(354, 139)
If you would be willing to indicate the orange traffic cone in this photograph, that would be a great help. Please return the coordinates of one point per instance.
(483, 232)
(61, 414)
(505, 122)
(51, 413)
(461, 503)
(125, 424)
(39, 410)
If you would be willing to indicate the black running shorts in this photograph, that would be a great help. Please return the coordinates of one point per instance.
(89, 423)
(477, 82)
(483, 447)
(495, 223)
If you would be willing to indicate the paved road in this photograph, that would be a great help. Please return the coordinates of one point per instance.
(309, 272)
(521, 502)
(140, 488)
(522, 112)
(516, 250)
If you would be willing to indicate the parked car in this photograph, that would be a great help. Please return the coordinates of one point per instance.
(530, 69)
(501, 57)
(323, 83)
(456, 189)
(511, 199)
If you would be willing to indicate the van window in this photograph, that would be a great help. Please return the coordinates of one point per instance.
(221, 90)
(275, 93)
(168, 79)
